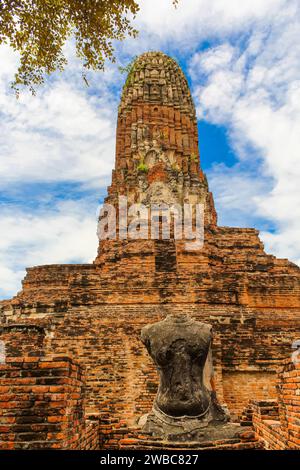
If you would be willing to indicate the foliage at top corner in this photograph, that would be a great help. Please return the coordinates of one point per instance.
(39, 29)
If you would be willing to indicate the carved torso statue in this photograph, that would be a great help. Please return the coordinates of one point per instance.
(179, 347)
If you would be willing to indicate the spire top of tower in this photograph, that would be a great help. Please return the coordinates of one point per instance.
(154, 77)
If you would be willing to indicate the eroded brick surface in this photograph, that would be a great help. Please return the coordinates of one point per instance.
(94, 312)
(277, 422)
(42, 405)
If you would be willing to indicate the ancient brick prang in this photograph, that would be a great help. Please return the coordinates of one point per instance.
(94, 312)
(157, 137)
(157, 153)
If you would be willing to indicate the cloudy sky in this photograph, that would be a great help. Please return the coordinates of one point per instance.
(242, 60)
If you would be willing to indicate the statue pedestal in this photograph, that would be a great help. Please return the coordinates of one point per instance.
(228, 436)
(186, 428)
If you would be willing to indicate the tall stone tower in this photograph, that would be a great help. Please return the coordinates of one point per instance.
(95, 312)
(157, 153)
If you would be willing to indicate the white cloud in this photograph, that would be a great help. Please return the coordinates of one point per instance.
(212, 60)
(284, 242)
(64, 234)
(10, 280)
(203, 19)
(65, 134)
(62, 134)
(180, 31)
(235, 192)
(255, 92)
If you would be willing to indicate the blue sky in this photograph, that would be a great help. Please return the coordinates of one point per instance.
(242, 61)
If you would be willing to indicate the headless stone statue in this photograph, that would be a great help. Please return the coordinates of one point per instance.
(180, 347)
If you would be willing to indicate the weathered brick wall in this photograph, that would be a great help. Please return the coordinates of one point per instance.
(121, 379)
(277, 423)
(90, 437)
(122, 374)
(289, 402)
(96, 311)
(267, 425)
(42, 405)
(240, 386)
(22, 339)
(231, 269)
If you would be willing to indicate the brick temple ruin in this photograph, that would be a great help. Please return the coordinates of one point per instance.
(74, 373)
